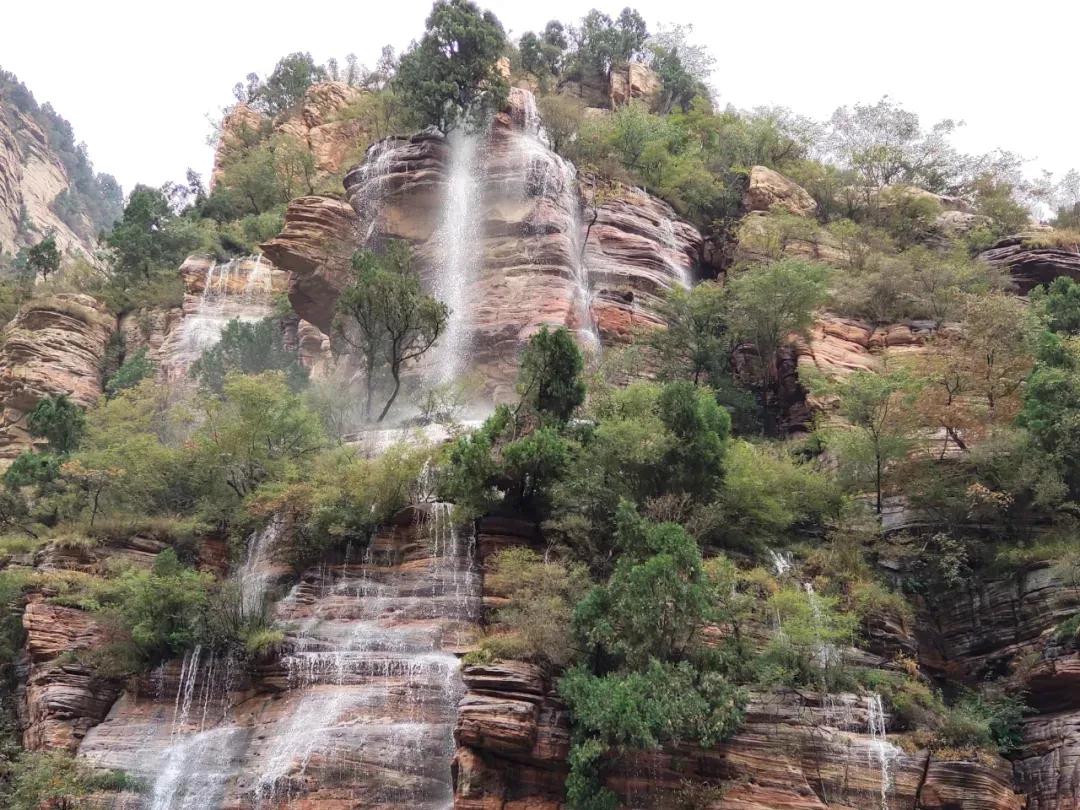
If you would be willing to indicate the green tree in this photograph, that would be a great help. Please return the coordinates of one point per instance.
(647, 678)
(603, 43)
(132, 371)
(768, 305)
(148, 238)
(385, 317)
(248, 348)
(58, 420)
(563, 115)
(878, 430)
(1059, 305)
(549, 380)
(257, 431)
(451, 74)
(285, 87)
(43, 258)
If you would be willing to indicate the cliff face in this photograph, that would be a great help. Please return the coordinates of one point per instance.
(31, 178)
(504, 232)
(54, 346)
(317, 123)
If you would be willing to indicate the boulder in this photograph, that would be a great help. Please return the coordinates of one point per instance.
(767, 189)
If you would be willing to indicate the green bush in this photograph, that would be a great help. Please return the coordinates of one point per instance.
(132, 371)
(542, 596)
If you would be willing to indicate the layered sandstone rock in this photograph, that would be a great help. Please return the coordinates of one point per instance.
(633, 81)
(1031, 266)
(767, 189)
(55, 345)
(59, 698)
(836, 346)
(523, 259)
(637, 249)
(314, 247)
(792, 751)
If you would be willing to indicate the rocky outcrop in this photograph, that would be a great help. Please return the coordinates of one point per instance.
(60, 699)
(55, 345)
(637, 249)
(314, 247)
(633, 81)
(793, 751)
(513, 740)
(767, 190)
(1030, 266)
(320, 122)
(836, 346)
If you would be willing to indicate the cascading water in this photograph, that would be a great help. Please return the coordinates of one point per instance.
(372, 179)
(547, 176)
(372, 689)
(458, 239)
(254, 576)
(881, 751)
(204, 749)
(672, 255)
(239, 289)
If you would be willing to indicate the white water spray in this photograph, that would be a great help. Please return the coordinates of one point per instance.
(458, 239)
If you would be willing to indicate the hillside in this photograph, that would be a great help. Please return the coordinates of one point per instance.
(508, 427)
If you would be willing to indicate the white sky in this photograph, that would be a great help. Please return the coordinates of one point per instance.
(138, 80)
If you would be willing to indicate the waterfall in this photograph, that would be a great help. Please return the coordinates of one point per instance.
(881, 750)
(825, 653)
(237, 289)
(458, 240)
(547, 176)
(255, 574)
(677, 267)
(373, 691)
(781, 562)
(373, 174)
(204, 751)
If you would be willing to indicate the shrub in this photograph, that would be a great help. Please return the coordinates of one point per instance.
(542, 596)
(132, 371)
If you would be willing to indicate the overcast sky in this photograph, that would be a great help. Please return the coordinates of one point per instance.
(140, 80)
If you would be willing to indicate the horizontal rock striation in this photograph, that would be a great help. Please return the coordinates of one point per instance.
(1031, 266)
(315, 247)
(54, 346)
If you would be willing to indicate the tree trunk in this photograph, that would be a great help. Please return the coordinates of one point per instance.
(397, 387)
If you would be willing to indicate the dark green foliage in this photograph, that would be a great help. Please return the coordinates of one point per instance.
(495, 468)
(603, 43)
(385, 317)
(58, 420)
(32, 469)
(43, 259)
(285, 87)
(132, 371)
(450, 76)
(1060, 305)
(248, 348)
(147, 240)
(647, 679)
(162, 612)
(700, 429)
(550, 376)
